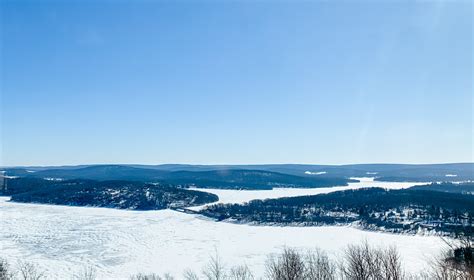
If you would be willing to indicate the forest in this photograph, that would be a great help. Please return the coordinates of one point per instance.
(410, 210)
(112, 194)
(225, 179)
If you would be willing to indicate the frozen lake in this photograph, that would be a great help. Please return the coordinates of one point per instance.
(63, 240)
(235, 196)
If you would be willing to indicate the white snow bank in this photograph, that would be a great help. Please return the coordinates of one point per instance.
(8, 177)
(315, 173)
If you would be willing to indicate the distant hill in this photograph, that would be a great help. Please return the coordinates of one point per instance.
(429, 173)
(394, 172)
(249, 179)
(222, 178)
(103, 172)
(263, 176)
(464, 188)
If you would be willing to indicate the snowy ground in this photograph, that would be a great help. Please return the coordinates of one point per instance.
(63, 240)
(236, 196)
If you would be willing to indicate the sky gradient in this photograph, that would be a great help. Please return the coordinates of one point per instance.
(238, 82)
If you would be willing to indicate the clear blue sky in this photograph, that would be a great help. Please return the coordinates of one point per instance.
(150, 82)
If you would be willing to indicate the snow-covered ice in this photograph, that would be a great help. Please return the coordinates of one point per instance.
(62, 240)
(241, 196)
(315, 173)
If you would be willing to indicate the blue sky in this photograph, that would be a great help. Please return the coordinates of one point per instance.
(328, 82)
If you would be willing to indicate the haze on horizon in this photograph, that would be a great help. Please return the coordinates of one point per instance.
(236, 83)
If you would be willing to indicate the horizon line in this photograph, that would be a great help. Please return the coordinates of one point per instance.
(226, 164)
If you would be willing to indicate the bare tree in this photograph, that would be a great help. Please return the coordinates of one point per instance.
(363, 262)
(87, 273)
(27, 271)
(354, 264)
(319, 266)
(391, 264)
(5, 271)
(241, 272)
(214, 270)
(289, 265)
(190, 275)
(457, 262)
(152, 276)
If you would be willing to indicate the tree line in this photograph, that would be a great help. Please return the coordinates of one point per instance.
(408, 210)
(112, 194)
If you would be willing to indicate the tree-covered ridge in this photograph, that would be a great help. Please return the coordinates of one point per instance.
(225, 179)
(382, 172)
(113, 194)
(249, 179)
(464, 188)
(392, 210)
